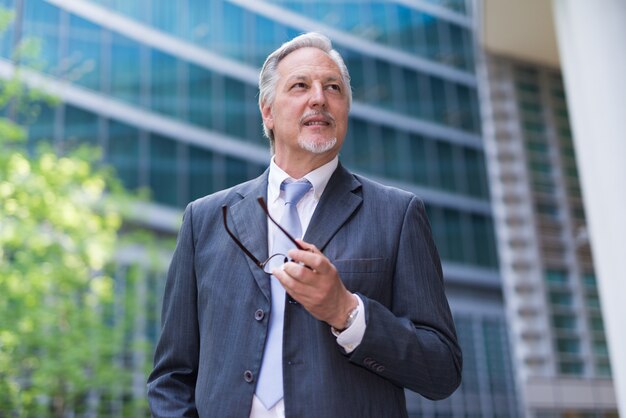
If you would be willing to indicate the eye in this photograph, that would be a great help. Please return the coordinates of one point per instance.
(299, 85)
(334, 87)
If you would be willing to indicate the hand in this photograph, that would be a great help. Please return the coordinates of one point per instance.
(313, 281)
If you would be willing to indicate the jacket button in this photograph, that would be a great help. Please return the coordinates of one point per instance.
(248, 376)
(259, 315)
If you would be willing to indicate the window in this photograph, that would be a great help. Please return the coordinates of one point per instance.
(446, 166)
(484, 239)
(80, 126)
(556, 277)
(356, 148)
(201, 100)
(476, 177)
(564, 322)
(454, 235)
(164, 96)
(561, 299)
(600, 348)
(84, 50)
(597, 324)
(200, 169)
(125, 65)
(235, 105)
(123, 152)
(568, 345)
(571, 367)
(236, 171)
(41, 21)
(163, 170)
(420, 165)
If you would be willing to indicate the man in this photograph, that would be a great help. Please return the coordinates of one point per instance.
(358, 312)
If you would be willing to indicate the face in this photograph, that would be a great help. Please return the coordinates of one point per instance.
(310, 109)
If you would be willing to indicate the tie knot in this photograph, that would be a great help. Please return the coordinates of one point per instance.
(295, 191)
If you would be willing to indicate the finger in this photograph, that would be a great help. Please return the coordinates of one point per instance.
(308, 247)
(299, 272)
(315, 261)
(282, 275)
(292, 284)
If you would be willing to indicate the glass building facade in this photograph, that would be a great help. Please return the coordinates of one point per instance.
(560, 350)
(168, 90)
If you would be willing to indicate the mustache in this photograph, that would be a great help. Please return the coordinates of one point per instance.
(326, 115)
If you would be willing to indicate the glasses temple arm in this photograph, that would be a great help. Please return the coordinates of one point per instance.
(267, 212)
(239, 244)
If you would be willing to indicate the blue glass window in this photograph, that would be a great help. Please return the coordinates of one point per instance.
(163, 169)
(201, 99)
(164, 96)
(125, 67)
(84, 53)
(200, 172)
(123, 152)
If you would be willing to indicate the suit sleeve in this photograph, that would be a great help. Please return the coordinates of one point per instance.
(171, 384)
(413, 342)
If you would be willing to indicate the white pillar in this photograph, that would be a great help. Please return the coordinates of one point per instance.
(592, 43)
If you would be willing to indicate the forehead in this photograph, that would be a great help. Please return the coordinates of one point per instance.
(311, 62)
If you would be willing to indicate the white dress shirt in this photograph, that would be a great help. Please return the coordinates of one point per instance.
(352, 336)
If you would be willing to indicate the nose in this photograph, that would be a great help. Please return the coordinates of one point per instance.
(317, 99)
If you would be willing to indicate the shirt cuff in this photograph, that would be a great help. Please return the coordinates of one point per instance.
(351, 337)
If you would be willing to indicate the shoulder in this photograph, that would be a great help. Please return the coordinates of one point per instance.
(206, 211)
(390, 195)
(229, 196)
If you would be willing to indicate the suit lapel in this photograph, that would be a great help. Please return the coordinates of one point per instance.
(336, 205)
(250, 226)
(249, 223)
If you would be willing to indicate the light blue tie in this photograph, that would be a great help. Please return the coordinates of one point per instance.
(270, 386)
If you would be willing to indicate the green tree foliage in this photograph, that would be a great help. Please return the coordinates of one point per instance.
(61, 344)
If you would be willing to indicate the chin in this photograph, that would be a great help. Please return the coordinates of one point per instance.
(317, 146)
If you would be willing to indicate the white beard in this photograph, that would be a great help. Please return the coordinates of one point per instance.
(316, 147)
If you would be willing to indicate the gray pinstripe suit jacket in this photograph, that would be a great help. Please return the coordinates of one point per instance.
(211, 345)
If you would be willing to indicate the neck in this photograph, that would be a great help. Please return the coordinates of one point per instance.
(299, 166)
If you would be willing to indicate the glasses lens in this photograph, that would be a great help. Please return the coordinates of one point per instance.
(274, 261)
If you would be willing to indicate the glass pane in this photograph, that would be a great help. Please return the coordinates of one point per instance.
(234, 23)
(484, 238)
(200, 173)
(83, 57)
(163, 170)
(446, 166)
(357, 147)
(476, 173)
(235, 107)
(439, 101)
(558, 277)
(164, 96)
(561, 299)
(454, 235)
(80, 126)
(201, 98)
(125, 65)
(123, 152)
(420, 162)
(564, 322)
(165, 14)
(236, 171)
(41, 22)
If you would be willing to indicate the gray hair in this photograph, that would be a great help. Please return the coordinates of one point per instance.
(269, 73)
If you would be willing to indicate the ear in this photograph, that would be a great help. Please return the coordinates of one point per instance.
(268, 116)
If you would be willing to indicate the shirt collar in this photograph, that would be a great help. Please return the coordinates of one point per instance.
(318, 178)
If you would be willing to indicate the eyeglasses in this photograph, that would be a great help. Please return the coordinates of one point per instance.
(263, 265)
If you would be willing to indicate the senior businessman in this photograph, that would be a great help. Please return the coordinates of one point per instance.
(309, 291)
